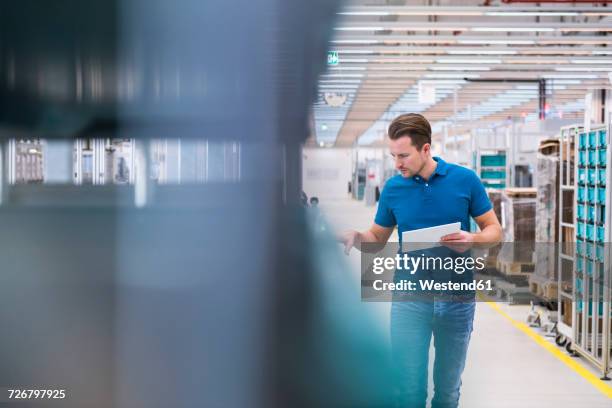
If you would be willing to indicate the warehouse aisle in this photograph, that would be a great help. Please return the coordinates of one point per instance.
(505, 367)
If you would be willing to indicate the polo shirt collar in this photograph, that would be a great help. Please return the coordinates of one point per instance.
(441, 168)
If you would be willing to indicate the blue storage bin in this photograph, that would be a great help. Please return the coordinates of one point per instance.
(493, 174)
(582, 175)
(600, 234)
(601, 177)
(588, 250)
(602, 158)
(580, 230)
(579, 305)
(592, 157)
(592, 179)
(601, 196)
(602, 138)
(579, 264)
(581, 194)
(578, 288)
(581, 157)
(589, 268)
(582, 141)
(496, 160)
(599, 253)
(590, 213)
(590, 235)
(580, 211)
(579, 249)
(591, 195)
(592, 140)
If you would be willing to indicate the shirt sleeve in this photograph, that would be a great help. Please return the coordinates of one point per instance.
(384, 214)
(479, 200)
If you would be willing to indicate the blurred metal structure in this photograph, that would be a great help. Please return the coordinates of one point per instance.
(157, 295)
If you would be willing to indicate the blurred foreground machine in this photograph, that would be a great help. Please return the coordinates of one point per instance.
(150, 294)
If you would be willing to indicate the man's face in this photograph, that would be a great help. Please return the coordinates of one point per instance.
(408, 160)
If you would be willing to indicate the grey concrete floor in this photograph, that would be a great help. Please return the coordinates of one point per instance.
(505, 368)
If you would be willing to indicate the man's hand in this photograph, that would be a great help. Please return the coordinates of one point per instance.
(458, 241)
(349, 239)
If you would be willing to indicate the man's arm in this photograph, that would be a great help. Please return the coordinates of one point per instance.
(377, 234)
(490, 231)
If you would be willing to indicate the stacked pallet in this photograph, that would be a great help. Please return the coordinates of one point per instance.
(543, 282)
(518, 223)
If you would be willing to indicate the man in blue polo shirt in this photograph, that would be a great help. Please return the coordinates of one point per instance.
(428, 192)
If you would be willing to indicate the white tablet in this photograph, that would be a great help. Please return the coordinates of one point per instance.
(430, 236)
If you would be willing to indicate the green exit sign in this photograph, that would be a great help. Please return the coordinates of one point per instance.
(332, 58)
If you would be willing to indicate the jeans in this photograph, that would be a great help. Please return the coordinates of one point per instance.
(412, 325)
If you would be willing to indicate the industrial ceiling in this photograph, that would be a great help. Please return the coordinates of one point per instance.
(460, 63)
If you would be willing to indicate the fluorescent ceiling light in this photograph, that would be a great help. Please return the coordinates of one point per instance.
(512, 29)
(591, 61)
(347, 68)
(602, 52)
(471, 76)
(467, 61)
(508, 42)
(489, 52)
(349, 51)
(575, 76)
(585, 69)
(353, 60)
(530, 13)
(460, 68)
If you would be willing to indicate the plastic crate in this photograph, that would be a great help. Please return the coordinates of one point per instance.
(601, 135)
(592, 140)
(497, 160)
(578, 288)
(493, 174)
(601, 177)
(580, 230)
(590, 213)
(601, 196)
(592, 176)
(590, 234)
(582, 157)
(580, 211)
(591, 195)
(581, 194)
(592, 158)
(601, 162)
(589, 268)
(599, 253)
(580, 248)
(493, 184)
(579, 264)
(588, 250)
(601, 234)
(582, 175)
(582, 141)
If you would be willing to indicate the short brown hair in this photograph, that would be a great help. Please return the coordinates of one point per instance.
(413, 125)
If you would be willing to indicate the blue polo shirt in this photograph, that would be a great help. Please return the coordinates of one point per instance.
(452, 193)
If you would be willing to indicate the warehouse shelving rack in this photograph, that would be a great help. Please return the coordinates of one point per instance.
(566, 228)
(493, 167)
(591, 318)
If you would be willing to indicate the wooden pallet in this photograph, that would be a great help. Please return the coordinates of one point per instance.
(546, 289)
(515, 268)
(524, 192)
(549, 147)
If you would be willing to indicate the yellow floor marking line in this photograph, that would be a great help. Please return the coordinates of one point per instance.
(601, 386)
